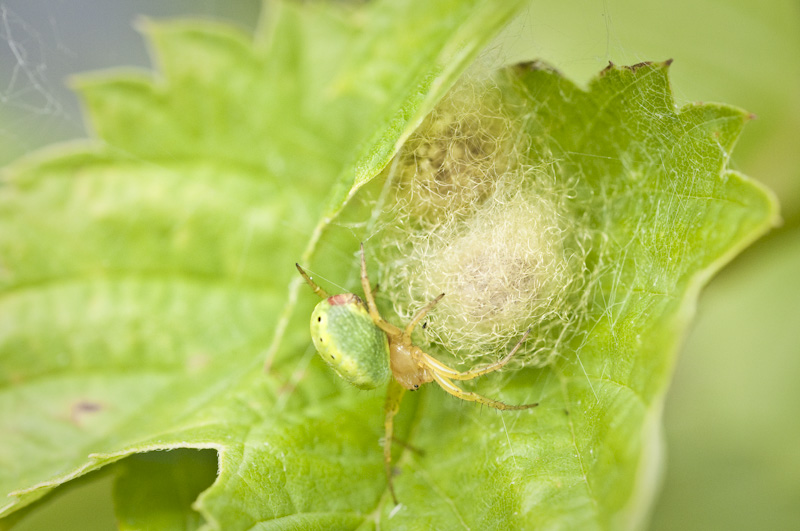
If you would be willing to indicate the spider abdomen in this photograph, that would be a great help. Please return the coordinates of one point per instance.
(350, 342)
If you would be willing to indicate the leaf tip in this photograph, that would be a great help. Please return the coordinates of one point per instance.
(664, 65)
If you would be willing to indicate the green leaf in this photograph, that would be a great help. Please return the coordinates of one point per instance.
(144, 279)
(665, 212)
(144, 275)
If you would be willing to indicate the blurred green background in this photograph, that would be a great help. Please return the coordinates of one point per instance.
(732, 432)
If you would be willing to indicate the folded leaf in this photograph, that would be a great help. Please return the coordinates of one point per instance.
(147, 278)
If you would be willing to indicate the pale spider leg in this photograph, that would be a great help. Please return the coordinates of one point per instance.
(457, 392)
(318, 290)
(439, 367)
(394, 394)
(421, 315)
(372, 308)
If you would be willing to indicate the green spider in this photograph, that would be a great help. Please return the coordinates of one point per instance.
(367, 351)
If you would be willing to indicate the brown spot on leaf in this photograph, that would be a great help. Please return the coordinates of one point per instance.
(84, 409)
(87, 406)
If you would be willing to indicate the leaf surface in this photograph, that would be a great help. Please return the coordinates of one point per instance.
(144, 274)
(144, 279)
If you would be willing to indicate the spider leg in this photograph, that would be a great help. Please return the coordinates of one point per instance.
(439, 367)
(457, 392)
(394, 395)
(318, 290)
(421, 314)
(372, 308)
